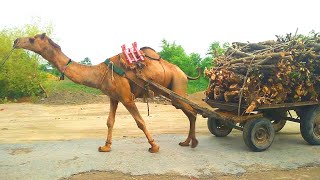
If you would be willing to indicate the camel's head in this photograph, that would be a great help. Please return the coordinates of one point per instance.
(39, 43)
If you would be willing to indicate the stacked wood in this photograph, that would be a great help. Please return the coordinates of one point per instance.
(269, 72)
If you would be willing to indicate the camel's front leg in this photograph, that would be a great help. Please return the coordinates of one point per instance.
(110, 123)
(132, 108)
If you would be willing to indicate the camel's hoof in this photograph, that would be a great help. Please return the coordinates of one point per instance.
(104, 149)
(194, 143)
(184, 143)
(154, 149)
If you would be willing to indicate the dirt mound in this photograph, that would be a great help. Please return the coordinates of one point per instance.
(67, 97)
(197, 96)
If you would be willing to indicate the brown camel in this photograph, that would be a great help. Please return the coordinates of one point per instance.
(120, 88)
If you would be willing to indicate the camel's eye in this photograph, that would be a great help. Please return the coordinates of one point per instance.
(43, 35)
(31, 40)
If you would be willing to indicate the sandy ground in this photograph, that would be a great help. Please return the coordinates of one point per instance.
(32, 123)
(25, 122)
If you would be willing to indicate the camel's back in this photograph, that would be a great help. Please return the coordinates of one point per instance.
(152, 57)
(150, 53)
(155, 68)
(160, 70)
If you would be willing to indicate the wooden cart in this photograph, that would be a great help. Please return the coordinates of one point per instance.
(259, 127)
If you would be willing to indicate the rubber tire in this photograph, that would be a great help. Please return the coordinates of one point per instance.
(307, 125)
(214, 126)
(249, 132)
(275, 116)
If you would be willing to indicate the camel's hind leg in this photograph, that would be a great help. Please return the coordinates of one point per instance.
(132, 108)
(179, 86)
(192, 134)
(110, 123)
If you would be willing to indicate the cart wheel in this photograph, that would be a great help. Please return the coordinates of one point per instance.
(278, 125)
(276, 118)
(310, 125)
(218, 128)
(258, 134)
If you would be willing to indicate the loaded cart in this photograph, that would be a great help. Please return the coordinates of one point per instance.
(257, 87)
(260, 126)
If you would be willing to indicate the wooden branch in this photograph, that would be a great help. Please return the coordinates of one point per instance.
(236, 53)
(315, 46)
(270, 72)
(43, 89)
(261, 57)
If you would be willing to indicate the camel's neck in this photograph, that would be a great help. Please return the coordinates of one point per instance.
(78, 73)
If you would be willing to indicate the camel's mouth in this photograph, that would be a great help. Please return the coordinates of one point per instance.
(15, 43)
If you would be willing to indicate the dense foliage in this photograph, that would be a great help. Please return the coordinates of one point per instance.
(176, 54)
(20, 76)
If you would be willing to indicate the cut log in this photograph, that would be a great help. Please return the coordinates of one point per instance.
(269, 72)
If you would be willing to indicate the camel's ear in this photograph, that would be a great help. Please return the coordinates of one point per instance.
(43, 35)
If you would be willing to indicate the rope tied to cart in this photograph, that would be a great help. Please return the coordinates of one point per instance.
(244, 83)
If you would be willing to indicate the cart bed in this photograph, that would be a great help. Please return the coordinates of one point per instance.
(234, 106)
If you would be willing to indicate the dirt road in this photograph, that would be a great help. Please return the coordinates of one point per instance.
(34, 122)
(28, 132)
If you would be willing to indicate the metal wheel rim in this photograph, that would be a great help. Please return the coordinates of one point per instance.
(276, 122)
(221, 126)
(261, 136)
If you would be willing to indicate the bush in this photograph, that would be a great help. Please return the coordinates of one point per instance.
(20, 76)
(175, 54)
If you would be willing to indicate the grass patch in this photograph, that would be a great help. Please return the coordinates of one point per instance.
(68, 85)
(197, 85)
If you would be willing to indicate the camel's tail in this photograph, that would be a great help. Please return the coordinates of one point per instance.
(198, 76)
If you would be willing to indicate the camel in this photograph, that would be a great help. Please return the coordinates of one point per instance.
(120, 88)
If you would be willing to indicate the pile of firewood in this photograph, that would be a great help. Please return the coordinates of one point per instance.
(269, 72)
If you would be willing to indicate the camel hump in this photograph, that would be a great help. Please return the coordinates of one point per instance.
(150, 53)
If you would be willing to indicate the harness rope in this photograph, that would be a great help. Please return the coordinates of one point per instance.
(64, 69)
(146, 88)
(152, 57)
(112, 78)
(7, 57)
(102, 79)
(122, 73)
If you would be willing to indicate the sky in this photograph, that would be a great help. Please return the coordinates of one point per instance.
(98, 28)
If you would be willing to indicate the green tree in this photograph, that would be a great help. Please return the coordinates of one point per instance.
(195, 59)
(20, 76)
(215, 49)
(86, 61)
(206, 62)
(49, 68)
(176, 55)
